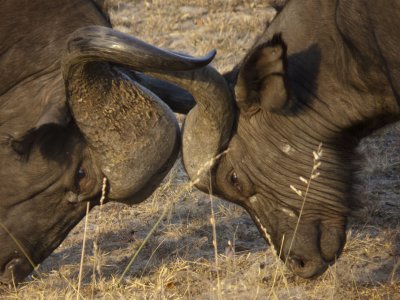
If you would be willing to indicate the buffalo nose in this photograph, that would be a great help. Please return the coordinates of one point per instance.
(307, 268)
(15, 271)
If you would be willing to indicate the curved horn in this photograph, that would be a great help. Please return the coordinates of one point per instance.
(97, 43)
(208, 126)
(132, 133)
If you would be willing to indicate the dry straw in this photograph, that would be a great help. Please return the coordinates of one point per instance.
(314, 174)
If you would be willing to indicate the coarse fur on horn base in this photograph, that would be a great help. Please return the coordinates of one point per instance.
(132, 134)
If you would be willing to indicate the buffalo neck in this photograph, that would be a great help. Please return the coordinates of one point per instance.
(344, 82)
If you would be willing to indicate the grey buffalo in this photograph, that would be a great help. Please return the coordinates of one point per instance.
(73, 111)
(322, 72)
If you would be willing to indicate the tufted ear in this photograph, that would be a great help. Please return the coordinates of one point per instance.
(261, 82)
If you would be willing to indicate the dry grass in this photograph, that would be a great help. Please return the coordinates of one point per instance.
(179, 260)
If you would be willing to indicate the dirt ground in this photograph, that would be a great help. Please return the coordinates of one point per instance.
(179, 260)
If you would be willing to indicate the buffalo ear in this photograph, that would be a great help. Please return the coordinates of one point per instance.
(50, 126)
(261, 82)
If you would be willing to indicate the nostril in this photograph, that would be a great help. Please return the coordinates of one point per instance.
(15, 271)
(13, 263)
(307, 268)
(296, 262)
(301, 263)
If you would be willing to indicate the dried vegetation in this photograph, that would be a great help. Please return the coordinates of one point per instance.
(181, 260)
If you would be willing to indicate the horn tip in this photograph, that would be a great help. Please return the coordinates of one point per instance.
(210, 55)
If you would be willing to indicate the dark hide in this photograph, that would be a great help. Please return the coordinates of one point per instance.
(48, 170)
(39, 161)
(323, 72)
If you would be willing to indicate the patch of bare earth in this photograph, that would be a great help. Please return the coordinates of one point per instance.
(180, 260)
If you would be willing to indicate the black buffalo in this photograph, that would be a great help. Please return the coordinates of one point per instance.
(322, 72)
(72, 113)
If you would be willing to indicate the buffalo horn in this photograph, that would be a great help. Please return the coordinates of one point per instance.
(131, 131)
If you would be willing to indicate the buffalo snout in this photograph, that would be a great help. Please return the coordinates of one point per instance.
(309, 250)
(15, 270)
(307, 245)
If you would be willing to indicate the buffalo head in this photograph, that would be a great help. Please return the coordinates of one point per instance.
(254, 151)
(251, 139)
(268, 146)
(92, 121)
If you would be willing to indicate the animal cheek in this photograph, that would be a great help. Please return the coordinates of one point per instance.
(332, 242)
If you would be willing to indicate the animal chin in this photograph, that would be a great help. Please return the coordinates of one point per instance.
(15, 270)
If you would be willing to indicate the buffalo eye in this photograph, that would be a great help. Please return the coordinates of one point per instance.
(81, 174)
(81, 179)
(235, 181)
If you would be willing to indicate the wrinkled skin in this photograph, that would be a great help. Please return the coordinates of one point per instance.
(72, 115)
(322, 81)
(322, 72)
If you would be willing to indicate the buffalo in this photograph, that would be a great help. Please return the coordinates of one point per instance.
(74, 110)
(322, 73)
